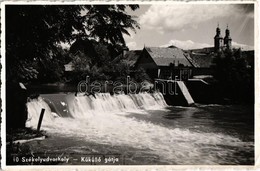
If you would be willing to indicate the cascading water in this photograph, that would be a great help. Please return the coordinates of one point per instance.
(110, 120)
(83, 106)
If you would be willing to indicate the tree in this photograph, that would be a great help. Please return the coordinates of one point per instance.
(236, 79)
(35, 31)
(51, 70)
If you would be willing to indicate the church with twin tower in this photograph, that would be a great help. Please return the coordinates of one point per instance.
(220, 43)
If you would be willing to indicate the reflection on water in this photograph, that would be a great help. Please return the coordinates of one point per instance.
(145, 130)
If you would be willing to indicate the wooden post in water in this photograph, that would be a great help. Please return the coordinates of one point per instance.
(40, 120)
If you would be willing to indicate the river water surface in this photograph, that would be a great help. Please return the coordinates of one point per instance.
(142, 129)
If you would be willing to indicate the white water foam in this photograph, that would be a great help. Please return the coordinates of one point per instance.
(103, 120)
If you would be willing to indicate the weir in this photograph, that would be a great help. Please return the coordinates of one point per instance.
(175, 92)
(185, 92)
(81, 106)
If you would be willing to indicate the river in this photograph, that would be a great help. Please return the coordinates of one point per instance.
(142, 129)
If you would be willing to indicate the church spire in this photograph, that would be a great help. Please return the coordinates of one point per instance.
(227, 39)
(218, 40)
(218, 30)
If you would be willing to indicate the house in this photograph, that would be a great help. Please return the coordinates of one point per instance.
(165, 63)
(202, 62)
(128, 57)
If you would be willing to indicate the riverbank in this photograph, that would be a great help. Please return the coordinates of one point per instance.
(17, 143)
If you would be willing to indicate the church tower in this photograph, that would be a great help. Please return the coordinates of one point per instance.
(218, 40)
(227, 39)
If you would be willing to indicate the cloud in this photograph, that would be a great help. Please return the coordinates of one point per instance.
(187, 44)
(131, 45)
(242, 46)
(169, 18)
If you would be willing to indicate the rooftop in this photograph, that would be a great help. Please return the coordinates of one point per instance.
(165, 56)
(200, 60)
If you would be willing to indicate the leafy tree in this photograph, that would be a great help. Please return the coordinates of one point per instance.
(236, 79)
(51, 69)
(34, 31)
(81, 62)
(96, 53)
(107, 23)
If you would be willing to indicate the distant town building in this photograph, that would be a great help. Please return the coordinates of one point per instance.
(227, 39)
(220, 43)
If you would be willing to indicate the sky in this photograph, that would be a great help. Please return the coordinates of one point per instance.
(191, 26)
